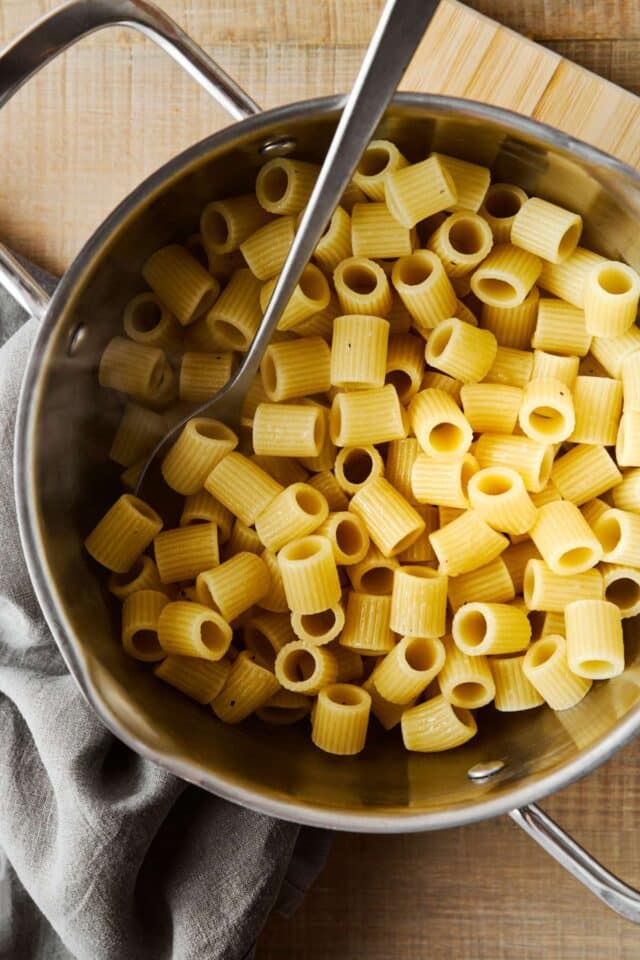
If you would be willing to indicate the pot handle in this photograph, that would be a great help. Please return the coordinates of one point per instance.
(617, 895)
(61, 28)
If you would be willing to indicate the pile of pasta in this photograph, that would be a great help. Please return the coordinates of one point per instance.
(433, 502)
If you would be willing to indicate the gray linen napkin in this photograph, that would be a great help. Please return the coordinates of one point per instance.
(104, 855)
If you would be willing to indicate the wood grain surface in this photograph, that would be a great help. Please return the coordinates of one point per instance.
(87, 130)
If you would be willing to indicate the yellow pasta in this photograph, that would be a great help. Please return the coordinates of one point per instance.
(249, 686)
(622, 587)
(288, 430)
(491, 407)
(439, 424)
(304, 667)
(139, 431)
(265, 634)
(464, 352)
(366, 627)
(274, 600)
(235, 585)
(362, 287)
(595, 645)
(132, 368)
(319, 628)
(192, 630)
(501, 204)
(350, 664)
(489, 584)
(611, 295)
(437, 725)
(284, 185)
(561, 329)
(626, 495)
(567, 278)
(201, 507)
(506, 276)
(243, 538)
(470, 179)
(417, 191)
(123, 533)
(511, 367)
(442, 482)
(513, 326)
(515, 559)
(498, 495)
(335, 244)
(550, 365)
(421, 551)
(265, 251)
(418, 602)
(594, 509)
(619, 534)
(409, 668)
(309, 574)
(146, 320)
(565, 540)
(284, 708)
(631, 381)
(546, 667)
(296, 368)
(379, 159)
(285, 470)
(203, 374)
(359, 352)
(202, 680)
(311, 296)
(611, 352)
(462, 242)
(490, 628)
(628, 439)
(329, 487)
(356, 466)
(401, 456)
(466, 544)
(181, 554)
(532, 460)
(585, 472)
(326, 457)
(225, 224)
(546, 229)
(424, 289)
(180, 282)
(234, 318)
(513, 689)
(255, 395)
(545, 590)
(242, 487)
(140, 614)
(374, 574)
(297, 511)
(367, 416)
(376, 233)
(598, 403)
(392, 523)
(465, 681)
(143, 575)
(340, 719)
(440, 381)
(547, 411)
(348, 537)
(200, 447)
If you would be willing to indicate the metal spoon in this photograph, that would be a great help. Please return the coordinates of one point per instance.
(394, 42)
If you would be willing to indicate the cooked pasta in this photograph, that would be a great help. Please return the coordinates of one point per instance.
(379, 159)
(340, 719)
(546, 229)
(409, 668)
(248, 687)
(296, 368)
(567, 279)
(123, 533)
(585, 472)
(182, 553)
(512, 326)
(288, 430)
(619, 534)
(405, 364)
(356, 466)
(417, 191)
(140, 614)
(242, 487)
(465, 681)
(311, 296)
(225, 224)
(480, 629)
(544, 589)
(234, 318)
(511, 367)
(464, 352)
(597, 402)
(376, 233)
(551, 365)
(191, 630)
(203, 374)
(265, 251)
(180, 283)
(470, 179)
(595, 646)
(531, 459)
(547, 411)
(506, 276)
(437, 725)
(362, 287)
(367, 416)
(418, 602)
(547, 669)
(491, 407)
(513, 690)
(442, 482)
(139, 431)
(565, 540)
(359, 352)
(628, 439)
(335, 244)
(622, 587)
(439, 424)
(202, 680)
(611, 294)
(489, 584)
(424, 289)
(367, 624)
(200, 447)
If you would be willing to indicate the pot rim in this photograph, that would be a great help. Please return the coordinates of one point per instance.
(301, 812)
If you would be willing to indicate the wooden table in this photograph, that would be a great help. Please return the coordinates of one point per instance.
(73, 143)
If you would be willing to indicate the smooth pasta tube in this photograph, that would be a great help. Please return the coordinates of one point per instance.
(611, 352)
(567, 279)
(376, 233)
(364, 417)
(374, 574)
(146, 320)
(202, 680)
(296, 368)
(498, 495)
(203, 374)
(234, 318)
(436, 725)
(347, 535)
(547, 412)
(419, 602)
(550, 365)
(401, 456)
(466, 353)
(545, 590)
(311, 296)
(139, 431)
(628, 439)
(143, 575)
(265, 251)
(288, 430)
(379, 159)
(506, 276)
(235, 585)
(619, 534)
(266, 634)
(304, 667)
(284, 186)
(561, 328)
(489, 584)
(319, 628)
(585, 472)
(490, 628)
(442, 482)
(491, 407)
(595, 645)
(242, 487)
(309, 574)
(598, 404)
(466, 544)
(181, 554)
(192, 630)
(356, 466)
(513, 689)
(470, 179)
(465, 681)
(462, 242)
(405, 365)
(180, 282)
(511, 367)
(225, 224)
(123, 533)
(513, 326)
(340, 719)
(622, 587)
(249, 686)
(564, 538)
(424, 289)
(549, 231)
(366, 627)
(611, 295)
(359, 352)
(439, 424)
(294, 513)
(418, 190)
(546, 667)
(335, 243)
(392, 523)
(140, 613)
(409, 668)
(200, 447)
(131, 367)
(362, 287)
(501, 204)
(532, 460)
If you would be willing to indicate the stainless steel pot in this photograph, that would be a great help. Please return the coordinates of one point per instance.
(64, 482)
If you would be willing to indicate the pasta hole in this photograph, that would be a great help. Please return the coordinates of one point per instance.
(216, 227)
(471, 692)
(608, 532)
(349, 537)
(615, 281)
(546, 420)
(205, 302)
(299, 666)
(274, 183)
(529, 583)
(319, 430)
(403, 383)
(373, 162)
(624, 592)
(439, 339)
(377, 580)
(597, 669)
(536, 619)
(335, 420)
(466, 237)
(446, 437)
(157, 376)
(502, 203)
(542, 652)
(145, 642)
(577, 558)
(212, 636)
(546, 465)
(472, 628)
(357, 466)
(234, 337)
(494, 484)
(463, 716)
(301, 549)
(495, 289)
(569, 240)
(413, 270)
(421, 655)
(147, 315)
(124, 579)
(269, 374)
(258, 643)
(318, 624)
(360, 279)
(143, 509)
(313, 283)
(212, 429)
(309, 500)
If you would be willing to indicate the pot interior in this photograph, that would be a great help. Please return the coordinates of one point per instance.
(70, 482)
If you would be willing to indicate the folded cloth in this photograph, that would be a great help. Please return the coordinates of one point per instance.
(104, 855)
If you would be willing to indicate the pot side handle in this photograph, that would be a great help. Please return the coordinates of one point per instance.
(61, 28)
(617, 895)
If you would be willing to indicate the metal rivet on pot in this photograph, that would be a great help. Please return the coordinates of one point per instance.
(76, 339)
(277, 148)
(485, 769)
